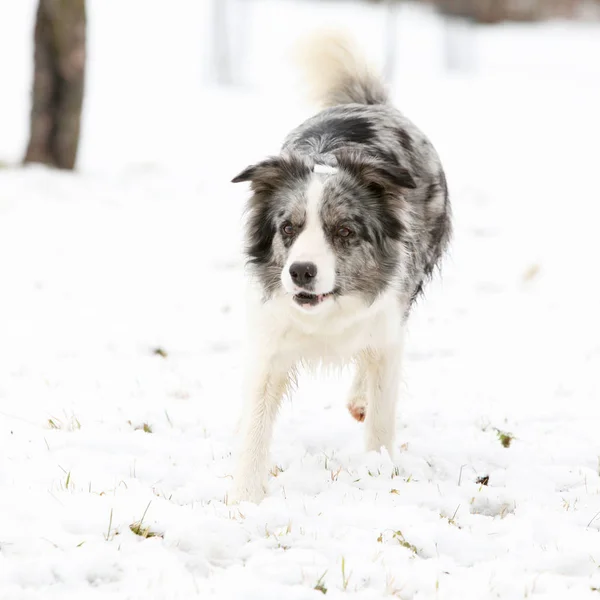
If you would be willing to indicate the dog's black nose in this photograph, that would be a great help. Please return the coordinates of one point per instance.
(303, 273)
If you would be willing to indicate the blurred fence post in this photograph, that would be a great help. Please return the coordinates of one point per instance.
(58, 81)
(222, 59)
(391, 39)
(459, 46)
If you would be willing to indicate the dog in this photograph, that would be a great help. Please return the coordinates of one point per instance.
(344, 228)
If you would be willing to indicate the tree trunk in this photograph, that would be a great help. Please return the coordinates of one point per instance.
(58, 83)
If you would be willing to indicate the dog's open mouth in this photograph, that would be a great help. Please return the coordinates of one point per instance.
(306, 299)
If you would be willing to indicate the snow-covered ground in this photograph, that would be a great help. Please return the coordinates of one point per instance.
(140, 251)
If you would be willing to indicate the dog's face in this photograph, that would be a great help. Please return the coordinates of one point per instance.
(320, 233)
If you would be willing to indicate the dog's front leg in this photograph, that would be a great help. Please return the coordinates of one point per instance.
(383, 378)
(265, 387)
(357, 400)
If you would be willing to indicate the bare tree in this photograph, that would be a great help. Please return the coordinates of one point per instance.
(58, 84)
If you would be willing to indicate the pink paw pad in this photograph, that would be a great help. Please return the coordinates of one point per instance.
(358, 412)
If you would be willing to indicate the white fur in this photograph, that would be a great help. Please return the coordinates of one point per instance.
(311, 246)
(281, 338)
(329, 59)
(325, 169)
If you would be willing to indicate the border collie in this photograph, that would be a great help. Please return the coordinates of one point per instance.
(344, 226)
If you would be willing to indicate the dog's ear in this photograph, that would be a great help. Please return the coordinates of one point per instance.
(245, 175)
(380, 175)
(273, 172)
(265, 169)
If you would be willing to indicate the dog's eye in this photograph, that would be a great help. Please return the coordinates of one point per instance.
(344, 232)
(287, 229)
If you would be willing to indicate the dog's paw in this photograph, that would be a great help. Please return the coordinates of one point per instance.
(357, 406)
(245, 491)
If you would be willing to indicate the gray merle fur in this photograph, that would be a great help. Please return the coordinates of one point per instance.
(390, 189)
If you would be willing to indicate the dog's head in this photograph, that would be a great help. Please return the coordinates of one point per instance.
(319, 233)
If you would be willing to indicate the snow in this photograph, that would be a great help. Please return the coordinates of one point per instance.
(140, 250)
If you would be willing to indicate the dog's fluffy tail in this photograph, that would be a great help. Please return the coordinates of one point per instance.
(337, 74)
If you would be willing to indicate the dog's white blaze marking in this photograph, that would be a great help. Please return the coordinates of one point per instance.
(311, 245)
(314, 197)
(325, 170)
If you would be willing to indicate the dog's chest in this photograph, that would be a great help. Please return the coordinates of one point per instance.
(329, 346)
(335, 338)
